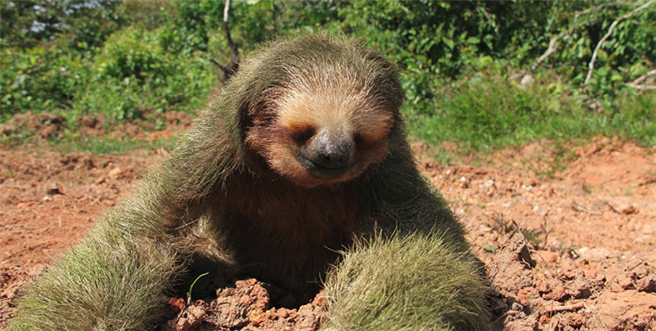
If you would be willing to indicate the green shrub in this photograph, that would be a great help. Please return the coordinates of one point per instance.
(133, 53)
(40, 79)
(134, 73)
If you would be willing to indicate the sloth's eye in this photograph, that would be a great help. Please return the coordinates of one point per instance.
(301, 134)
(362, 142)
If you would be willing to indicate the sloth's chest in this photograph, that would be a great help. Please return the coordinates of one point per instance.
(287, 218)
(293, 211)
(288, 237)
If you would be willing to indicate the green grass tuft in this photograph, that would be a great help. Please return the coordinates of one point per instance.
(489, 111)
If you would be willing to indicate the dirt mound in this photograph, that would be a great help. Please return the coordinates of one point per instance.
(568, 246)
(611, 167)
(546, 291)
(568, 238)
(247, 305)
(40, 127)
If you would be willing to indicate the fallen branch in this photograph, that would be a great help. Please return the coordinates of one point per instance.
(636, 83)
(607, 35)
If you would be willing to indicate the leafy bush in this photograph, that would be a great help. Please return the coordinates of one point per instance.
(133, 53)
(39, 79)
(134, 73)
(436, 40)
(84, 24)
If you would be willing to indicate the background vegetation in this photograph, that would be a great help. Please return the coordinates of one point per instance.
(481, 74)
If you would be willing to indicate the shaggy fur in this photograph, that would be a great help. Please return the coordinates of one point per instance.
(300, 163)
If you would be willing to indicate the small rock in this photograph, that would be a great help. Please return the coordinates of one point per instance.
(548, 256)
(53, 191)
(177, 304)
(647, 284)
(526, 81)
(628, 210)
(575, 320)
(114, 172)
(593, 254)
(257, 317)
(191, 318)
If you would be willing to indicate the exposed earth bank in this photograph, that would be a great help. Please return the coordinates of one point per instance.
(568, 238)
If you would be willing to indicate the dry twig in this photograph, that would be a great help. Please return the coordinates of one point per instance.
(567, 34)
(231, 68)
(636, 83)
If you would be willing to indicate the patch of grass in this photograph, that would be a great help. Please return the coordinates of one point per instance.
(94, 145)
(113, 146)
(502, 225)
(636, 118)
(487, 110)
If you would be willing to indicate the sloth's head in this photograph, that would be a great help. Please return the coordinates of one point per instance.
(326, 112)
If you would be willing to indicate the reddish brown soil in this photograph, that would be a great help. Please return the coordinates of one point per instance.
(574, 251)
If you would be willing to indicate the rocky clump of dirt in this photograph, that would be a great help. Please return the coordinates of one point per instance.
(246, 306)
(543, 291)
(41, 127)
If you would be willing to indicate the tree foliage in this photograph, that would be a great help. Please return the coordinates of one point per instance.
(59, 56)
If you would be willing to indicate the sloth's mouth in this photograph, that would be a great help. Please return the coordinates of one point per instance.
(320, 171)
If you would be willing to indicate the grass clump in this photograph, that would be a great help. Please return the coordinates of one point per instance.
(489, 110)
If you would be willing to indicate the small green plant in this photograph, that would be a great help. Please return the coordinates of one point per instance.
(533, 237)
(502, 225)
(191, 288)
(537, 237)
(569, 250)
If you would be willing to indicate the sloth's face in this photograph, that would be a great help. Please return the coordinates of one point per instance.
(325, 138)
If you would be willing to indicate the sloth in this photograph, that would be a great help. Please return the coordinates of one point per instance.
(298, 172)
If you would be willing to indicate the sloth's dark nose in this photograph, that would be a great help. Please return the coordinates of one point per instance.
(331, 150)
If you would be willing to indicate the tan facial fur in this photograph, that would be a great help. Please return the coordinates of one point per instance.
(341, 106)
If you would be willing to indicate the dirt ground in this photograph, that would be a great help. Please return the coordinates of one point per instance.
(569, 242)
